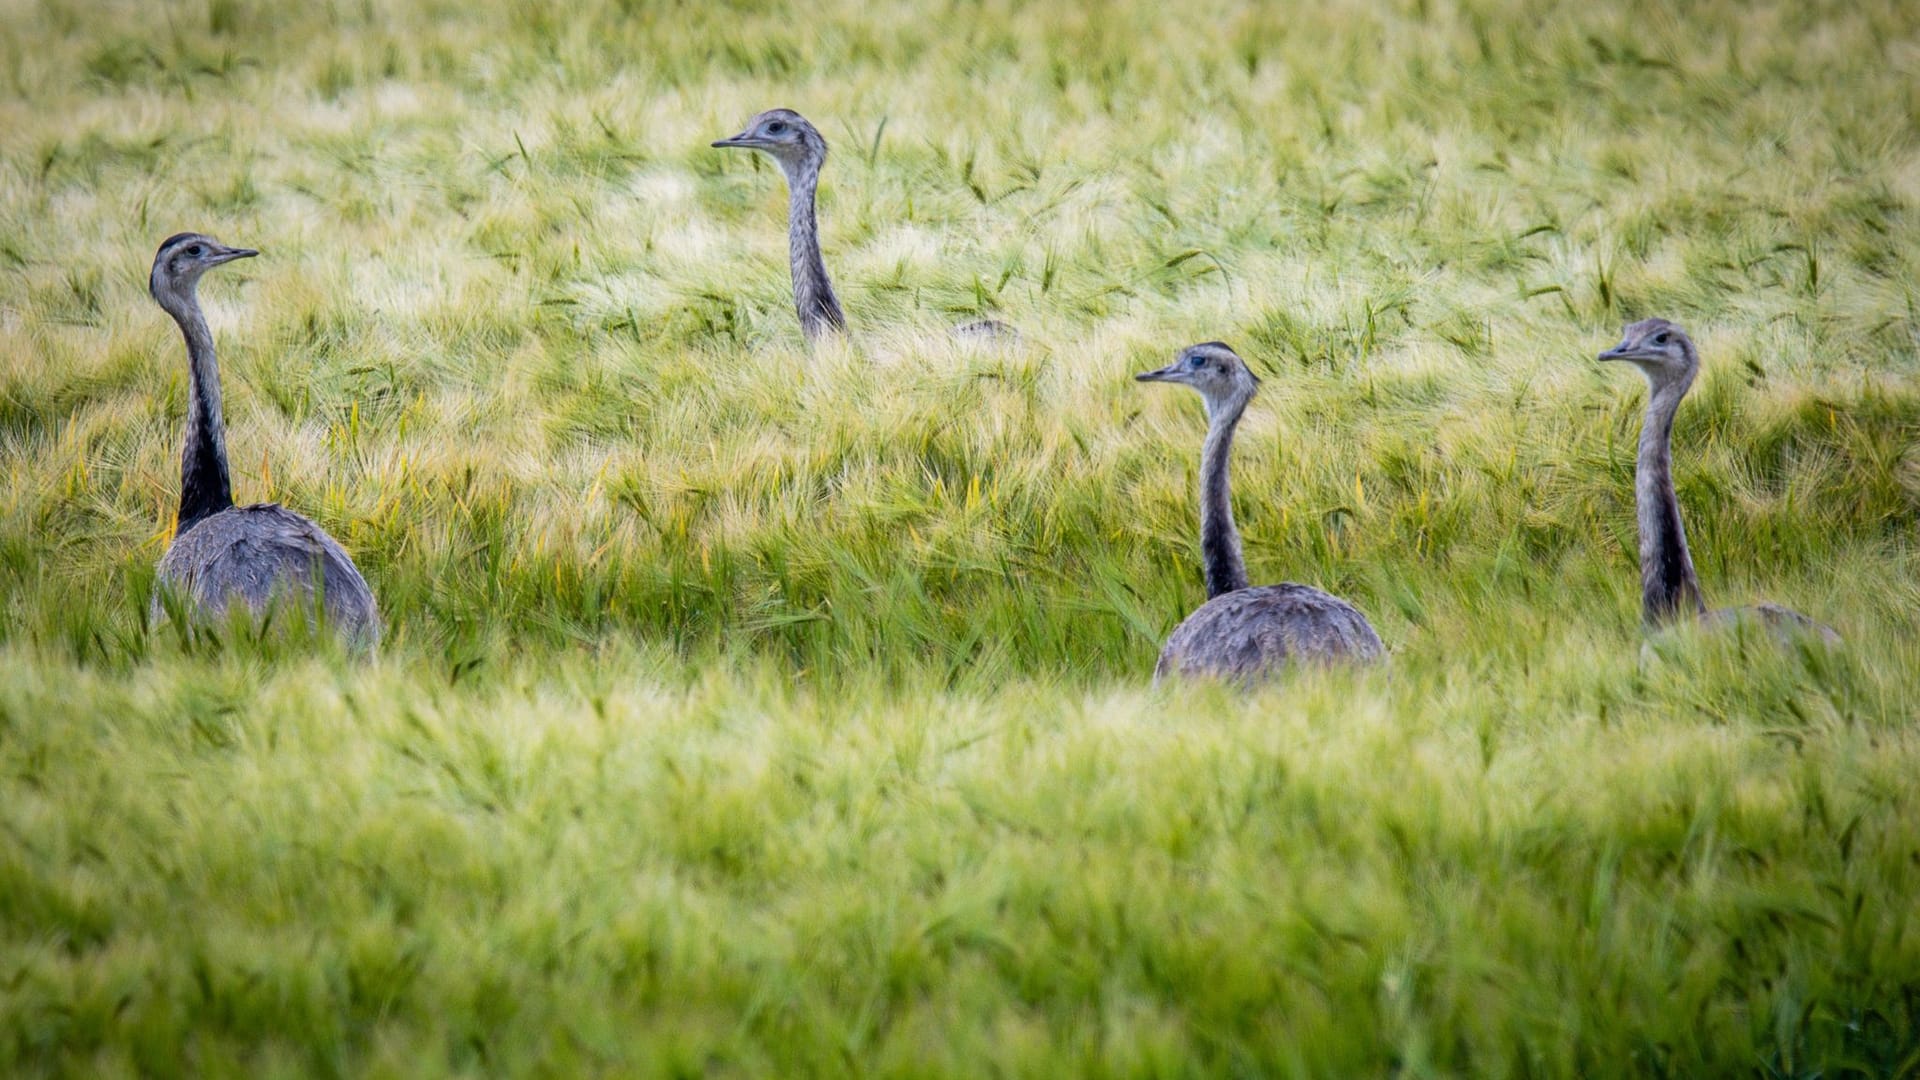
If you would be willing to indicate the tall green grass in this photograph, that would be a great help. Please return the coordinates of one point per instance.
(746, 709)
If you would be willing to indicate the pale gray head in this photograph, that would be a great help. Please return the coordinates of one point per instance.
(784, 134)
(1661, 350)
(1215, 370)
(182, 258)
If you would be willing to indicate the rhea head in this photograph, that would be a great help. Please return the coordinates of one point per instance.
(1213, 369)
(1661, 350)
(182, 258)
(783, 134)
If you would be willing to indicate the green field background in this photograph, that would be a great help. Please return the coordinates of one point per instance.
(746, 710)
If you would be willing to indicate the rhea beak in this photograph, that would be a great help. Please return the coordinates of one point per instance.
(231, 254)
(739, 140)
(1618, 352)
(1164, 374)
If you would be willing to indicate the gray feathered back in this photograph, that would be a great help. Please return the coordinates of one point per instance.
(271, 560)
(263, 556)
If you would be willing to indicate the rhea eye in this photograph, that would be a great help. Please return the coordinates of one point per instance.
(196, 251)
(1660, 338)
(1195, 362)
(778, 127)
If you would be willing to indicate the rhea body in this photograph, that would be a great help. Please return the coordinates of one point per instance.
(1245, 633)
(257, 555)
(1669, 587)
(801, 151)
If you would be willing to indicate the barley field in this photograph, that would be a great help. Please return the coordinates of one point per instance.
(751, 710)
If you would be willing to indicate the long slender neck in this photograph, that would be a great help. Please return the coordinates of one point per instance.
(813, 298)
(1219, 539)
(1668, 585)
(205, 489)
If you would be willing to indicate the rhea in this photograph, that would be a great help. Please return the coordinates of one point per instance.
(1669, 588)
(800, 150)
(222, 554)
(1246, 634)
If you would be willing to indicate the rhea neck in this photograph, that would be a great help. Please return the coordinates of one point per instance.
(1668, 585)
(813, 298)
(205, 488)
(1219, 539)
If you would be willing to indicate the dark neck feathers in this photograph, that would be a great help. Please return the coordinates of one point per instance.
(813, 297)
(1668, 585)
(205, 488)
(1219, 538)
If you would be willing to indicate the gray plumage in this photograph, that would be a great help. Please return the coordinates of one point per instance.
(785, 136)
(1669, 587)
(801, 152)
(1241, 633)
(1252, 633)
(261, 555)
(1782, 624)
(987, 332)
